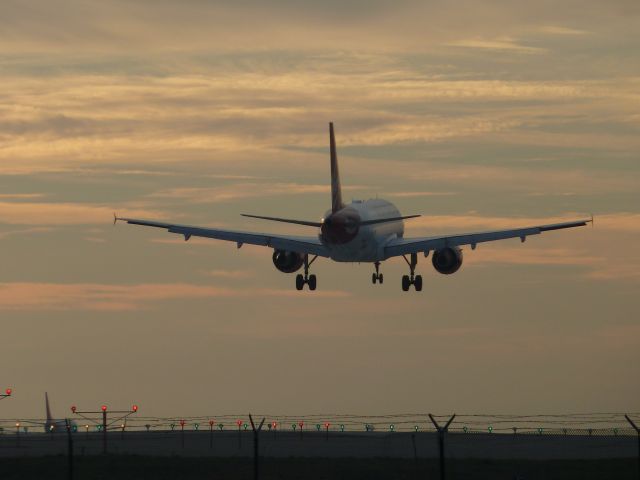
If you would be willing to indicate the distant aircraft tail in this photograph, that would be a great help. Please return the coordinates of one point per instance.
(46, 399)
(336, 190)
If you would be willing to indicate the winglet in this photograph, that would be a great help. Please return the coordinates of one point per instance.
(592, 223)
(115, 218)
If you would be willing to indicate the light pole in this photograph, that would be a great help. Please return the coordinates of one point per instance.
(104, 424)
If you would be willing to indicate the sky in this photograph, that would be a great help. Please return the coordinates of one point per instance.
(477, 115)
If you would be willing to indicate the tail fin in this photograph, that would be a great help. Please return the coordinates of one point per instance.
(336, 190)
(46, 399)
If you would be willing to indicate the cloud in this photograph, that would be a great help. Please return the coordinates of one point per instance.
(230, 274)
(56, 214)
(33, 296)
(24, 232)
(237, 191)
(559, 30)
(20, 196)
(503, 43)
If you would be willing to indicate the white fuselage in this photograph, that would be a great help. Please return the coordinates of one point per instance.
(370, 240)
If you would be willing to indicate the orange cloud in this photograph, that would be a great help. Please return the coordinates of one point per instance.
(53, 214)
(106, 297)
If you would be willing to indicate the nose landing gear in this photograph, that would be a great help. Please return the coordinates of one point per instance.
(307, 279)
(377, 277)
(412, 279)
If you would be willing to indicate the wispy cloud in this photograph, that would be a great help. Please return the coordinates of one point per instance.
(501, 43)
(108, 297)
(235, 191)
(55, 214)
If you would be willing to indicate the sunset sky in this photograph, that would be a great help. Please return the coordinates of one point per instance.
(476, 114)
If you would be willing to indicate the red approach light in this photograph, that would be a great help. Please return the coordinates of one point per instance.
(301, 424)
(134, 408)
(182, 422)
(73, 408)
(239, 423)
(326, 425)
(211, 422)
(8, 391)
(104, 408)
(274, 424)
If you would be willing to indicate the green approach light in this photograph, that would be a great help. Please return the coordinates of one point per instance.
(490, 429)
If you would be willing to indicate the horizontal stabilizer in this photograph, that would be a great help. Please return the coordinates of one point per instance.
(319, 224)
(285, 220)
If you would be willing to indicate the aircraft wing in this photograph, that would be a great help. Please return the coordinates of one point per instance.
(405, 246)
(310, 245)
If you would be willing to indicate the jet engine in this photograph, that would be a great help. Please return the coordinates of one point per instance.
(447, 260)
(286, 261)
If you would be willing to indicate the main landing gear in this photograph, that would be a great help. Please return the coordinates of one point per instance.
(412, 279)
(377, 277)
(306, 279)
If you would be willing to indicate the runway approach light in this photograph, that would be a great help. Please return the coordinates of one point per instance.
(8, 392)
(392, 427)
(134, 408)
(490, 429)
(416, 428)
(197, 426)
(342, 427)
(73, 408)
(103, 408)
(211, 423)
(274, 425)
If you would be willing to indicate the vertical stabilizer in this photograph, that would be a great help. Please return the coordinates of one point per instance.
(46, 400)
(336, 190)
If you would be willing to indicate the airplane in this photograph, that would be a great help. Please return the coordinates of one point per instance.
(51, 425)
(364, 231)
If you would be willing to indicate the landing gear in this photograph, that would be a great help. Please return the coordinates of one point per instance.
(412, 279)
(310, 280)
(377, 277)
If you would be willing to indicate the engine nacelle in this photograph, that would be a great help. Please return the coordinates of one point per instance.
(447, 260)
(286, 261)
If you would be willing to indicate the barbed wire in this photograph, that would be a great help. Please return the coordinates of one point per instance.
(593, 424)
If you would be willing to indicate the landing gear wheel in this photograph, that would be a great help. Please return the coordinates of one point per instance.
(380, 278)
(299, 282)
(374, 278)
(406, 282)
(417, 282)
(312, 282)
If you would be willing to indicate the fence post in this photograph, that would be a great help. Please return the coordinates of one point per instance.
(256, 451)
(441, 433)
(635, 427)
(70, 449)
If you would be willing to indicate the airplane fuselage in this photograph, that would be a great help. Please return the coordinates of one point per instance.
(349, 241)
